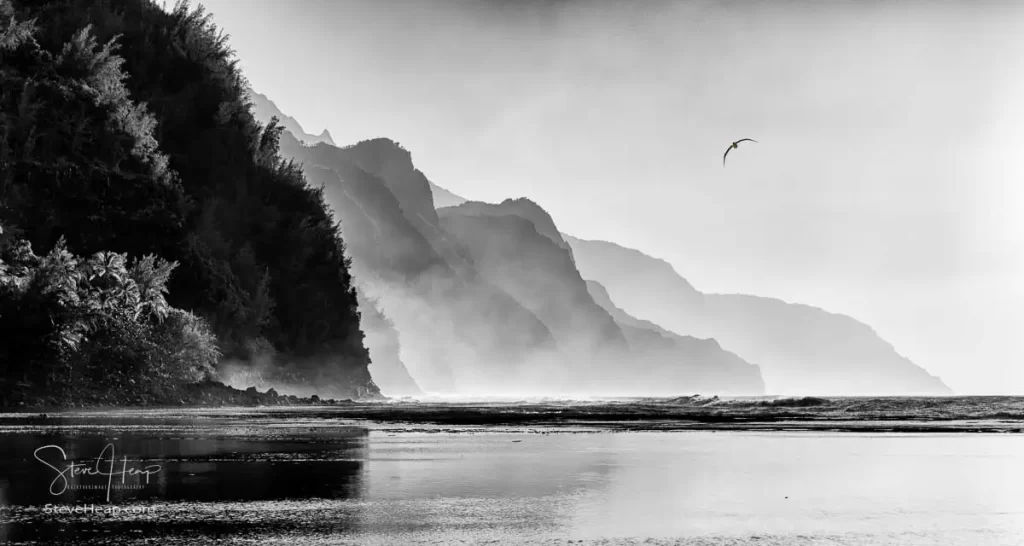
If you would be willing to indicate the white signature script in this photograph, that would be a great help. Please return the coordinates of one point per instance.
(62, 481)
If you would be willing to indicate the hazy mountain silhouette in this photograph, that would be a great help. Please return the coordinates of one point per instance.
(489, 296)
(392, 165)
(510, 252)
(457, 331)
(523, 208)
(264, 109)
(517, 246)
(384, 343)
(800, 349)
(464, 289)
(701, 364)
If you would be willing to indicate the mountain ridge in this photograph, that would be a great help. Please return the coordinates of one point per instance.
(264, 109)
(802, 349)
(681, 351)
(513, 252)
(456, 328)
(464, 236)
(522, 207)
(489, 236)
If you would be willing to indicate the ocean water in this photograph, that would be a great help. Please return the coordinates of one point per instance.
(297, 481)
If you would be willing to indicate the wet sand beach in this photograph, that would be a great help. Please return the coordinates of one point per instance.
(344, 475)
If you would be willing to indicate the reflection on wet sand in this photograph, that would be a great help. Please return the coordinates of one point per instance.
(204, 470)
(296, 480)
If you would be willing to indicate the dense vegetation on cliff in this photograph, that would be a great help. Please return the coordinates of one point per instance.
(149, 223)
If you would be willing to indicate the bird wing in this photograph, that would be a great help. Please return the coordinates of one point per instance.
(727, 150)
(744, 139)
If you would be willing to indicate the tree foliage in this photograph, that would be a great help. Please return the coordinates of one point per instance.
(126, 131)
(97, 321)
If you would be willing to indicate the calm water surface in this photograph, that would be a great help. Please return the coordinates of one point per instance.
(324, 482)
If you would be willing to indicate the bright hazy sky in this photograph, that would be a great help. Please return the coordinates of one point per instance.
(888, 183)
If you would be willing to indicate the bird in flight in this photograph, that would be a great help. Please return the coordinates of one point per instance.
(733, 146)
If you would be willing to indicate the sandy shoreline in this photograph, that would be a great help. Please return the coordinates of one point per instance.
(596, 473)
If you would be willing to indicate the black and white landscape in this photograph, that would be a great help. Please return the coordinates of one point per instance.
(510, 272)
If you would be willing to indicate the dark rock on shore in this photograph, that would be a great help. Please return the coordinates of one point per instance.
(800, 402)
(204, 394)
